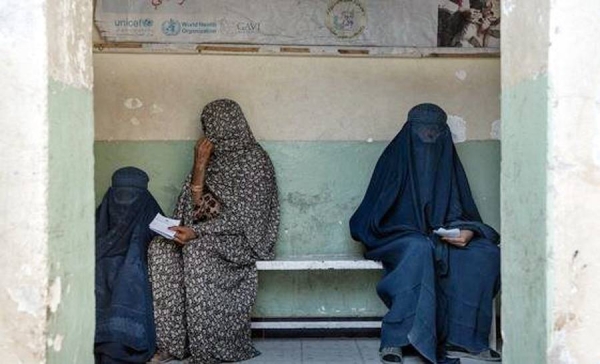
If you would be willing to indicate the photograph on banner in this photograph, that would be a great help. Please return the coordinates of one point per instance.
(469, 23)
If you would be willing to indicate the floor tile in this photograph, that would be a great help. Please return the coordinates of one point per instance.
(330, 351)
(324, 351)
(276, 351)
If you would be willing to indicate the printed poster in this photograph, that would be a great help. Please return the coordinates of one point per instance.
(373, 23)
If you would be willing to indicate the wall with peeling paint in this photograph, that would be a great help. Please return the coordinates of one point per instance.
(23, 181)
(46, 198)
(574, 181)
(71, 224)
(550, 181)
(524, 180)
(159, 97)
(70, 190)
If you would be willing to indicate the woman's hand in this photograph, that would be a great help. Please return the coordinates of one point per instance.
(183, 234)
(462, 241)
(203, 151)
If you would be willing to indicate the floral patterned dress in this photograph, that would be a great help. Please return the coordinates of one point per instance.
(204, 291)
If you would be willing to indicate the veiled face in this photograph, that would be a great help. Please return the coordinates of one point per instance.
(126, 195)
(428, 123)
(223, 121)
(429, 133)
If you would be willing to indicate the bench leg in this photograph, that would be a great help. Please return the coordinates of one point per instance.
(494, 330)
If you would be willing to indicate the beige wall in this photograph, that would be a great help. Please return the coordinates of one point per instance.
(159, 97)
(574, 181)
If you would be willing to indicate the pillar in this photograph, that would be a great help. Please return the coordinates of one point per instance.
(46, 182)
(550, 180)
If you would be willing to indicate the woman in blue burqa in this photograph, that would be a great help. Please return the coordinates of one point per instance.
(124, 316)
(439, 290)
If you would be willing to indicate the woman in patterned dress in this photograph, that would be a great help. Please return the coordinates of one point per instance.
(204, 281)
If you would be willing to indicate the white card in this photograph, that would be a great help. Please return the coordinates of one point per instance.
(161, 225)
(450, 233)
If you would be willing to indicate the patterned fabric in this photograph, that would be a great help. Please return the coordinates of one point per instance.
(208, 208)
(204, 292)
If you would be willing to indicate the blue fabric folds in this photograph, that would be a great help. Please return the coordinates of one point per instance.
(124, 314)
(436, 293)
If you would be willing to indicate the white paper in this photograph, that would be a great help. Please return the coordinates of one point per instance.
(447, 233)
(161, 225)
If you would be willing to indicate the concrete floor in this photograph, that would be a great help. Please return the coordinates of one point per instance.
(323, 351)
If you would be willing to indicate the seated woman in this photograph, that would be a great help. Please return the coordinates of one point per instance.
(123, 298)
(204, 281)
(439, 290)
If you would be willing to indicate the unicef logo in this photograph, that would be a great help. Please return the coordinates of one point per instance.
(134, 23)
(346, 18)
(171, 27)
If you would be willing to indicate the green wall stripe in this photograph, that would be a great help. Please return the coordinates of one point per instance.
(320, 183)
(71, 222)
(524, 248)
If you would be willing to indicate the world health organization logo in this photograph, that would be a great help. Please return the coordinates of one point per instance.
(171, 27)
(346, 18)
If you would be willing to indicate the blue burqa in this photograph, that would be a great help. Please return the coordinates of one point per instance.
(437, 294)
(124, 313)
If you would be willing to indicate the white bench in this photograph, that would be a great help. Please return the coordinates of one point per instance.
(331, 262)
(318, 262)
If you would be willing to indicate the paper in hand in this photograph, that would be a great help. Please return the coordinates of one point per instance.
(161, 225)
(450, 233)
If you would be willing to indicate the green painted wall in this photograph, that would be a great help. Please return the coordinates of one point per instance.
(320, 185)
(333, 293)
(71, 224)
(524, 249)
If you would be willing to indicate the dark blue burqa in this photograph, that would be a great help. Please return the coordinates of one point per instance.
(124, 314)
(437, 293)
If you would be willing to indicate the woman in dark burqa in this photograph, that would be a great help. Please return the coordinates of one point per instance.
(204, 281)
(124, 318)
(439, 291)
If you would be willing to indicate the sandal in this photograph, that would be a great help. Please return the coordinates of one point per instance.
(161, 357)
(456, 352)
(391, 355)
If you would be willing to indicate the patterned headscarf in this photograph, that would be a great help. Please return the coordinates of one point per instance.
(224, 124)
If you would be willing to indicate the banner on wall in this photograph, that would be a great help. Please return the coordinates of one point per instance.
(374, 23)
